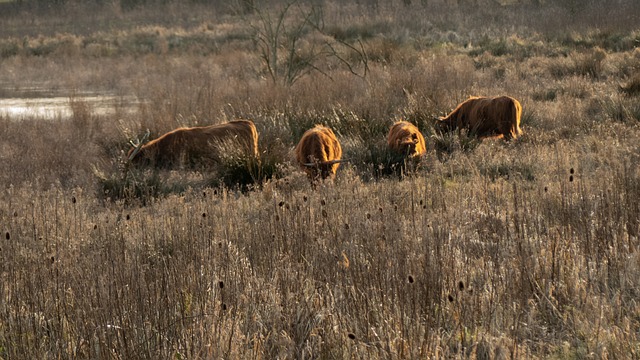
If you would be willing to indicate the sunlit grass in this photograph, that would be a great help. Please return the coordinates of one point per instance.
(489, 249)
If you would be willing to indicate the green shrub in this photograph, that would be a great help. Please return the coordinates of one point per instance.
(132, 186)
(241, 172)
(9, 47)
(446, 143)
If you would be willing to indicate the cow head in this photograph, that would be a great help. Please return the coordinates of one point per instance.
(442, 124)
(136, 153)
(408, 145)
(324, 169)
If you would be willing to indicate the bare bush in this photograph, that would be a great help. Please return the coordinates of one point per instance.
(489, 250)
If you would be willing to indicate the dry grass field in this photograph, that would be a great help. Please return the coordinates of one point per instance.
(489, 250)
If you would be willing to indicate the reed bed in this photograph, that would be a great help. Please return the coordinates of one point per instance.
(526, 249)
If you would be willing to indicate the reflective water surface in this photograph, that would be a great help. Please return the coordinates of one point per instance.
(55, 106)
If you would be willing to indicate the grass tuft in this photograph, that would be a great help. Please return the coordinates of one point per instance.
(490, 249)
(632, 86)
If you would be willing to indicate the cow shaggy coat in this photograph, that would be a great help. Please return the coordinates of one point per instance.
(319, 153)
(486, 117)
(199, 144)
(405, 140)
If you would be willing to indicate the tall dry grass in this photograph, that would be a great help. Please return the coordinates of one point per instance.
(526, 249)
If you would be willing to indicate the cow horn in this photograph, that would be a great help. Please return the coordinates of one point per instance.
(139, 144)
(331, 162)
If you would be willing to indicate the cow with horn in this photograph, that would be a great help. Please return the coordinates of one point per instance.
(484, 117)
(196, 144)
(319, 153)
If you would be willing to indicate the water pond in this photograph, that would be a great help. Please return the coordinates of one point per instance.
(54, 106)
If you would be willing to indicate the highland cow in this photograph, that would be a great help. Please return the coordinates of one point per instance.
(319, 153)
(405, 140)
(197, 144)
(484, 117)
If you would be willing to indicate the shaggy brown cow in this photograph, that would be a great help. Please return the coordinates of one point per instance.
(486, 117)
(406, 140)
(319, 152)
(197, 144)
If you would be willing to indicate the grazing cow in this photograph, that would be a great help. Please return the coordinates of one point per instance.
(405, 140)
(486, 117)
(197, 144)
(319, 152)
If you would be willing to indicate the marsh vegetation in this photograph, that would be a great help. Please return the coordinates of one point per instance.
(490, 249)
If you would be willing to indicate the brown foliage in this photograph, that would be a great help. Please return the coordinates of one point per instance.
(632, 87)
(319, 152)
(197, 144)
(486, 117)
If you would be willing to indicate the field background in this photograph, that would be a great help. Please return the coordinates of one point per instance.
(527, 249)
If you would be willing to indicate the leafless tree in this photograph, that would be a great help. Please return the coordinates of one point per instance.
(292, 42)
